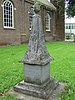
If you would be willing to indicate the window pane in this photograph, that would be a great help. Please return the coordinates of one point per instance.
(8, 14)
(47, 22)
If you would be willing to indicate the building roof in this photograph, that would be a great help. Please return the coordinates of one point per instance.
(46, 3)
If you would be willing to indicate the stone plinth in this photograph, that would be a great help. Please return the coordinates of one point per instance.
(42, 91)
(23, 96)
(37, 81)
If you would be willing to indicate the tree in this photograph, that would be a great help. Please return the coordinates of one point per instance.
(60, 5)
(70, 9)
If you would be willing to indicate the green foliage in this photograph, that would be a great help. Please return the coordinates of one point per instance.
(62, 68)
(60, 5)
(70, 8)
(68, 37)
(7, 97)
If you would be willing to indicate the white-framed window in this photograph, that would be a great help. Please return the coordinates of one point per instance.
(70, 26)
(73, 26)
(47, 22)
(8, 14)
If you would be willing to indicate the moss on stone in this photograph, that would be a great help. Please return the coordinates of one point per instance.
(46, 3)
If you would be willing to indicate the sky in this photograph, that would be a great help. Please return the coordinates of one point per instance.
(49, 0)
(69, 20)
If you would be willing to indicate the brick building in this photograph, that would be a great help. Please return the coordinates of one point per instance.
(15, 22)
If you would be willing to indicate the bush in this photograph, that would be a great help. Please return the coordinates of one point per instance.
(68, 37)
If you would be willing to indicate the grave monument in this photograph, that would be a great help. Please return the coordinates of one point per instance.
(37, 81)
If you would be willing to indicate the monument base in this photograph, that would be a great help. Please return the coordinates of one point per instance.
(36, 74)
(41, 91)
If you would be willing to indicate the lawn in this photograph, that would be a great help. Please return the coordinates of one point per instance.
(62, 68)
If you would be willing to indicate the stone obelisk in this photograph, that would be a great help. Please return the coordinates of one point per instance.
(37, 81)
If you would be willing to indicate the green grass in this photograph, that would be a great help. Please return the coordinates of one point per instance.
(62, 68)
(7, 97)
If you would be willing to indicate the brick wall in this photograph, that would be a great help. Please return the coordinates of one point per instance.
(21, 33)
(10, 36)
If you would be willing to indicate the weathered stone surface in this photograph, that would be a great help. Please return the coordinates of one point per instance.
(53, 96)
(37, 74)
(37, 52)
(42, 91)
(37, 8)
(37, 81)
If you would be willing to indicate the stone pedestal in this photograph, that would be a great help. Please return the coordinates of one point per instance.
(37, 81)
(43, 90)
